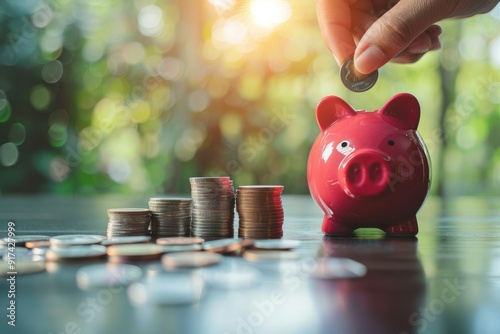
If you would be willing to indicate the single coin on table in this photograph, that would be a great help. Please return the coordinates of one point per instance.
(135, 252)
(232, 277)
(354, 80)
(269, 255)
(226, 245)
(190, 259)
(86, 252)
(174, 241)
(14, 253)
(107, 275)
(133, 239)
(75, 240)
(336, 268)
(21, 267)
(20, 240)
(171, 289)
(283, 244)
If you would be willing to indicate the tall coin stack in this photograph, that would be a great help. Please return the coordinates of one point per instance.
(170, 217)
(213, 207)
(125, 222)
(260, 212)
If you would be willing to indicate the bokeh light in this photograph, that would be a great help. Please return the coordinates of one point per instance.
(9, 154)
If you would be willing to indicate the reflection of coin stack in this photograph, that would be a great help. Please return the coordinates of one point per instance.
(260, 212)
(124, 222)
(213, 207)
(170, 217)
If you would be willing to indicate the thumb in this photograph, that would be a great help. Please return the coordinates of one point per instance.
(394, 31)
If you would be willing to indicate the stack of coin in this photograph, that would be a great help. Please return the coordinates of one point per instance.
(213, 207)
(125, 222)
(170, 217)
(260, 212)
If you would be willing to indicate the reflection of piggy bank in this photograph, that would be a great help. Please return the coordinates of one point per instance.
(369, 169)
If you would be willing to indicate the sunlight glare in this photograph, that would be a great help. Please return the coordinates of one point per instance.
(270, 13)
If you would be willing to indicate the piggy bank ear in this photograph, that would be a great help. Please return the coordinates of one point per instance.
(405, 108)
(330, 109)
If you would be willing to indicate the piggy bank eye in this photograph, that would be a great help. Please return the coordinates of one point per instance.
(390, 142)
(345, 147)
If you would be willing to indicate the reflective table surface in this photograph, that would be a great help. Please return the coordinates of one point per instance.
(446, 280)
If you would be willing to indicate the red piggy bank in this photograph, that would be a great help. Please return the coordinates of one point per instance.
(369, 169)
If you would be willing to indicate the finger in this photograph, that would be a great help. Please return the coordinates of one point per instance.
(406, 57)
(424, 41)
(393, 32)
(334, 18)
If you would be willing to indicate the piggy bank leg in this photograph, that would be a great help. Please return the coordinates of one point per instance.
(331, 227)
(405, 228)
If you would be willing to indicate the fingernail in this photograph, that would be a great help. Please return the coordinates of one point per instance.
(369, 60)
(419, 48)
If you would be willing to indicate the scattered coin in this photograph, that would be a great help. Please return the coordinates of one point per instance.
(182, 248)
(134, 253)
(170, 217)
(234, 277)
(226, 245)
(260, 212)
(18, 253)
(128, 222)
(190, 259)
(133, 239)
(354, 80)
(39, 250)
(167, 289)
(21, 240)
(274, 255)
(179, 241)
(75, 240)
(37, 244)
(88, 252)
(277, 244)
(213, 207)
(22, 267)
(336, 268)
(107, 275)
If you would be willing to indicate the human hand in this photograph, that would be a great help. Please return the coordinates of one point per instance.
(379, 31)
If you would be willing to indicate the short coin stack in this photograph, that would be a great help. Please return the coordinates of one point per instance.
(126, 222)
(213, 207)
(170, 217)
(260, 212)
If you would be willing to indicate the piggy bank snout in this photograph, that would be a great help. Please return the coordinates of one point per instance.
(365, 173)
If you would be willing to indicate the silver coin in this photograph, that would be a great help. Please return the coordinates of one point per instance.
(171, 289)
(75, 253)
(270, 255)
(277, 244)
(39, 250)
(75, 240)
(21, 240)
(14, 254)
(107, 275)
(336, 268)
(232, 277)
(355, 81)
(22, 267)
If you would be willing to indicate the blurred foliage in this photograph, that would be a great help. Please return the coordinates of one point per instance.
(137, 96)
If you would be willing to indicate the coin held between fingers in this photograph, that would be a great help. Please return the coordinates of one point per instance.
(354, 80)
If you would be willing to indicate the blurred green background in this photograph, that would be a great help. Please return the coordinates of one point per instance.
(136, 96)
